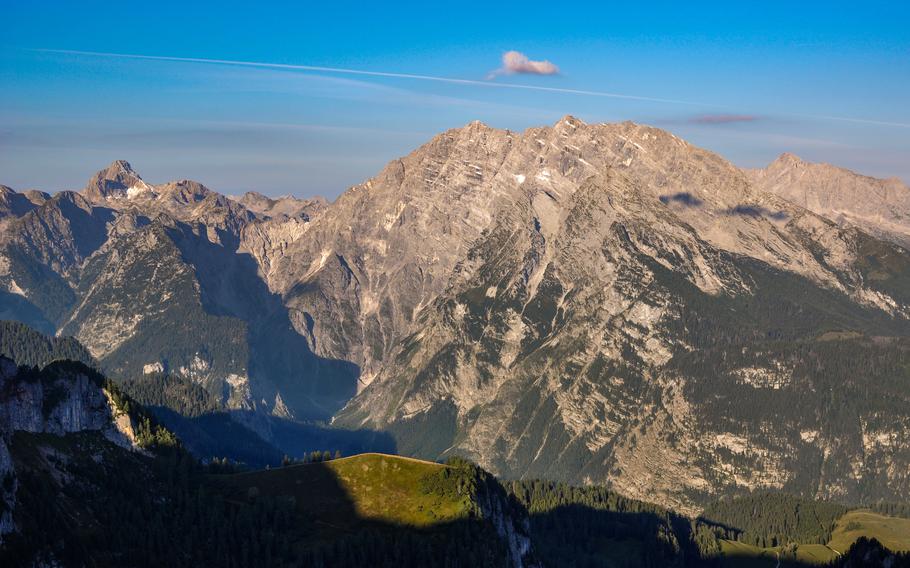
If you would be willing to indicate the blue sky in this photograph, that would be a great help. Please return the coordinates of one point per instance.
(829, 81)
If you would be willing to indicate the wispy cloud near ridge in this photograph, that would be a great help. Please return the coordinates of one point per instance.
(723, 118)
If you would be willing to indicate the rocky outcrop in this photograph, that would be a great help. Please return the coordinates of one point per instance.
(64, 397)
(8, 486)
(508, 518)
(268, 242)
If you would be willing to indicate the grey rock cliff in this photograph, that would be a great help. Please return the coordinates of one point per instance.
(62, 398)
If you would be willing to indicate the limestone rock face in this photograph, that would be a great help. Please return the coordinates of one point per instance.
(175, 276)
(606, 257)
(387, 248)
(62, 398)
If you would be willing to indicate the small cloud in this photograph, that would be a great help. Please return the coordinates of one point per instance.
(515, 62)
(683, 198)
(722, 118)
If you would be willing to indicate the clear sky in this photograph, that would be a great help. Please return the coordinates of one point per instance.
(829, 81)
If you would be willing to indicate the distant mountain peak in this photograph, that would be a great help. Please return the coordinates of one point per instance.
(879, 206)
(116, 181)
(123, 166)
(281, 206)
(789, 159)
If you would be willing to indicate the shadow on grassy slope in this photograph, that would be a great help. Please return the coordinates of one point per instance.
(379, 510)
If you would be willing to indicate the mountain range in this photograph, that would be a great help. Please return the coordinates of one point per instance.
(600, 304)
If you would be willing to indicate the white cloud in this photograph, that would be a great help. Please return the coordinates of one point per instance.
(515, 62)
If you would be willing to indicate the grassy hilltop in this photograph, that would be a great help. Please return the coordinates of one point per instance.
(375, 487)
(892, 532)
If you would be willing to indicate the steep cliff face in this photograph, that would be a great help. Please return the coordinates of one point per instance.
(508, 518)
(142, 311)
(388, 246)
(62, 398)
(7, 491)
(43, 251)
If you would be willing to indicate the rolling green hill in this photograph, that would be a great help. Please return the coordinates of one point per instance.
(377, 487)
(892, 532)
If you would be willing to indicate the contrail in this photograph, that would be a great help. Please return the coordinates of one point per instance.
(370, 74)
(451, 80)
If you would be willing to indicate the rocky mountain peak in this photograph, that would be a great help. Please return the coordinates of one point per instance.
(787, 160)
(570, 121)
(14, 204)
(116, 181)
(881, 207)
(123, 167)
(36, 196)
(184, 191)
(281, 207)
(254, 198)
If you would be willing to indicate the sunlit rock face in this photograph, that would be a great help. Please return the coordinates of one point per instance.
(608, 310)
